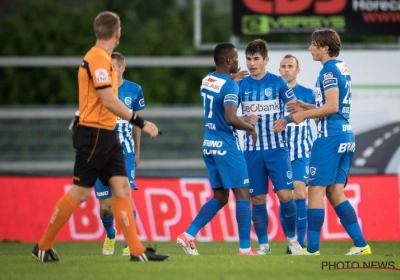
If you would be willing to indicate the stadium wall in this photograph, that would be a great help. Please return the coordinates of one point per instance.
(165, 207)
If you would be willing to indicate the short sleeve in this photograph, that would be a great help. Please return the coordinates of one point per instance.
(101, 71)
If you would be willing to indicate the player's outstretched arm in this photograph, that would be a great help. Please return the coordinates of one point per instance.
(234, 120)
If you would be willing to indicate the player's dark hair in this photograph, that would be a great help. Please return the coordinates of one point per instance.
(223, 51)
(257, 46)
(105, 25)
(322, 37)
(292, 56)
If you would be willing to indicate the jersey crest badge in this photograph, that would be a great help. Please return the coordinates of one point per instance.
(268, 92)
(128, 101)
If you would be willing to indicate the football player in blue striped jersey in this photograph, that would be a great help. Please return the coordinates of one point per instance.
(300, 139)
(264, 94)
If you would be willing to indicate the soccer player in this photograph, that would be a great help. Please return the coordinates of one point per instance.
(264, 94)
(98, 151)
(299, 138)
(132, 96)
(221, 151)
(333, 150)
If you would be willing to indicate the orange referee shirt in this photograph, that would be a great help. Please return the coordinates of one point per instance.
(96, 72)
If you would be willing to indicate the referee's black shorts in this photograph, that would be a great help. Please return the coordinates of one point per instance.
(98, 155)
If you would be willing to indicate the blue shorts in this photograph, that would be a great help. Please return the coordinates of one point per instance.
(331, 159)
(300, 168)
(103, 191)
(228, 171)
(273, 164)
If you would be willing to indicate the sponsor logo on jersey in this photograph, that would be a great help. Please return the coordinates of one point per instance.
(268, 92)
(213, 143)
(101, 75)
(213, 84)
(347, 147)
(343, 68)
(214, 152)
(329, 82)
(262, 107)
(100, 194)
(141, 102)
(128, 101)
(346, 127)
(346, 110)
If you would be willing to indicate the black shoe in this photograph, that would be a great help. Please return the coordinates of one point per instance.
(148, 256)
(44, 255)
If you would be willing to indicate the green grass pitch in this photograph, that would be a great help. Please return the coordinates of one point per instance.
(217, 260)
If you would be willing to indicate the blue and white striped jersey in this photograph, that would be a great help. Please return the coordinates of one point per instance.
(334, 74)
(266, 98)
(132, 96)
(299, 136)
(217, 91)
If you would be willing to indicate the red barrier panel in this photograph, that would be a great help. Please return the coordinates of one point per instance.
(165, 207)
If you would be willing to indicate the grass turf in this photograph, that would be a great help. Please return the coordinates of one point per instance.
(218, 260)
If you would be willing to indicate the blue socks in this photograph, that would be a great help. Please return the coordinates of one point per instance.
(243, 218)
(210, 209)
(289, 217)
(301, 225)
(260, 222)
(108, 224)
(348, 218)
(207, 212)
(301, 205)
(315, 221)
